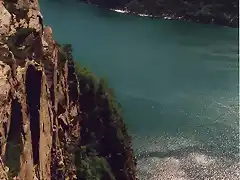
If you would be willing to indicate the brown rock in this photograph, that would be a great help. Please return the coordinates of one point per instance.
(40, 119)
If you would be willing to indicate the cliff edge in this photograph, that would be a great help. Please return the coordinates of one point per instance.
(57, 120)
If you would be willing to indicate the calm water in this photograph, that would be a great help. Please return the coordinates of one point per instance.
(177, 83)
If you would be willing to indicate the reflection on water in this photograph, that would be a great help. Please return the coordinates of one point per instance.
(183, 159)
(189, 167)
(177, 83)
(206, 148)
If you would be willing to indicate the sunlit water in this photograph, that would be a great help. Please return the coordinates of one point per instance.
(177, 83)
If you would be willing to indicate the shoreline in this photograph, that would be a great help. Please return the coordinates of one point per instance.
(224, 21)
(145, 15)
(167, 17)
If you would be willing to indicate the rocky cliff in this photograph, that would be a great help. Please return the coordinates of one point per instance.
(57, 120)
(221, 12)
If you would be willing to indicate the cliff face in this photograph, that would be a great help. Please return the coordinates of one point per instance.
(221, 12)
(57, 121)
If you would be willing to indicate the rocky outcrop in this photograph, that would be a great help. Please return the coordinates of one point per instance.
(221, 12)
(57, 121)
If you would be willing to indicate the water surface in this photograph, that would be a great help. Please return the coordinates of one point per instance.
(177, 83)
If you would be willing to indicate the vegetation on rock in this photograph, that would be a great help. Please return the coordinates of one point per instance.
(222, 12)
(58, 120)
(104, 150)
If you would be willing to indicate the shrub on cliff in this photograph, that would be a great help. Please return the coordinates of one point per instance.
(103, 133)
(91, 81)
(222, 12)
(91, 167)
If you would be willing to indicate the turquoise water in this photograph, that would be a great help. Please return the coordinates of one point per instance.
(177, 83)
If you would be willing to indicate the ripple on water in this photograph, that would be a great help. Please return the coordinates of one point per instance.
(180, 159)
(193, 166)
(189, 95)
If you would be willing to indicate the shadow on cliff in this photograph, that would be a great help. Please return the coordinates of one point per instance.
(104, 150)
(13, 147)
(33, 90)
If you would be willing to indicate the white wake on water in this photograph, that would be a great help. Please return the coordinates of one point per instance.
(143, 15)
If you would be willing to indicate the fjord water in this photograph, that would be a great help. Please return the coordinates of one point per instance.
(177, 83)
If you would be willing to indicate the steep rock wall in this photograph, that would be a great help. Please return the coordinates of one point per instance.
(50, 123)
